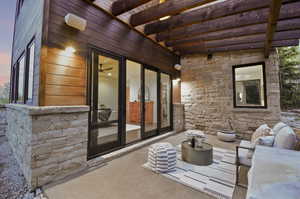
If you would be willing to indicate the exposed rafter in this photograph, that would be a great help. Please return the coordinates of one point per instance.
(167, 8)
(120, 6)
(291, 10)
(221, 9)
(284, 25)
(248, 46)
(272, 22)
(279, 36)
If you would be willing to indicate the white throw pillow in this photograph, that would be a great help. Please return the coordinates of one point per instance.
(285, 138)
(261, 131)
(266, 141)
(278, 127)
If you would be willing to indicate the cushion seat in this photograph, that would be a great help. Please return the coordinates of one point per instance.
(243, 153)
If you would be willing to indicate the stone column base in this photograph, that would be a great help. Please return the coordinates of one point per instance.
(49, 143)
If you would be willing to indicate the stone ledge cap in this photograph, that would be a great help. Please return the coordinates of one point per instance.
(46, 110)
(251, 110)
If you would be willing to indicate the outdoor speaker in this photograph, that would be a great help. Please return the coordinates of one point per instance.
(75, 21)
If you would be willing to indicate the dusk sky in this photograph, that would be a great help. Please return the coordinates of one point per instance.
(7, 12)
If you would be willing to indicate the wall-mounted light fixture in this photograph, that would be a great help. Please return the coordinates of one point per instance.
(70, 50)
(176, 81)
(178, 66)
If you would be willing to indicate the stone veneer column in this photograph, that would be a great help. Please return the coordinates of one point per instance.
(49, 143)
(3, 122)
(178, 118)
(207, 92)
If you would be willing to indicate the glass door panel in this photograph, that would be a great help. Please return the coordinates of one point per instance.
(165, 100)
(133, 101)
(150, 102)
(105, 127)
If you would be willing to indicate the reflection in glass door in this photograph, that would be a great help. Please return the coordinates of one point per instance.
(165, 100)
(150, 106)
(133, 101)
(105, 128)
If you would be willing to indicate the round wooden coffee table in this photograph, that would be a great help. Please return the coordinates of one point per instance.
(199, 155)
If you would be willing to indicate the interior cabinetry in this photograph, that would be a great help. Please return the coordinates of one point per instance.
(135, 112)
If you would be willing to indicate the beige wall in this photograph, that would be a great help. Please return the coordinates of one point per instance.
(207, 93)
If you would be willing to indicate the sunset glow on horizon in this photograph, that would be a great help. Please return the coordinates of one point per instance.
(7, 11)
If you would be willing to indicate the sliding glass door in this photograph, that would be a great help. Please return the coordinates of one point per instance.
(133, 101)
(165, 101)
(150, 103)
(128, 101)
(105, 128)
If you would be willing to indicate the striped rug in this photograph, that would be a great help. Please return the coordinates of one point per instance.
(216, 180)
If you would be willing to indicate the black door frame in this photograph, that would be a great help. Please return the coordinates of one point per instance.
(93, 151)
(121, 143)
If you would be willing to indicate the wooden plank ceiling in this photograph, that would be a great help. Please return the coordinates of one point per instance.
(208, 26)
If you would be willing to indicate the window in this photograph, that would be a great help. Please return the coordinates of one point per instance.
(22, 76)
(249, 86)
(30, 71)
(20, 80)
(19, 6)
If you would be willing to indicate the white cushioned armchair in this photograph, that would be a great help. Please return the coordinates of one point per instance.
(284, 137)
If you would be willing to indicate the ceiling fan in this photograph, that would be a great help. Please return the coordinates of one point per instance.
(102, 70)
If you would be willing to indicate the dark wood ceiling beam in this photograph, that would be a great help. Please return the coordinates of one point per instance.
(284, 25)
(167, 8)
(249, 46)
(213, 11)
(291, 10)
(272, 22)
(120, 6)
(278, 36)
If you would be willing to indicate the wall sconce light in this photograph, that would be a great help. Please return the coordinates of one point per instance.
(70, 50)
(177, 66)
(176, 81)
(108, 74)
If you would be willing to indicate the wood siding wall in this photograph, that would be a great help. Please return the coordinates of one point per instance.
(28, 24)
(65, 75)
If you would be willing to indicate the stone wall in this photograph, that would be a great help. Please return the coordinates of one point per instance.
(3, 123)
(178, 118)
(49, 143)
(292, 118)
(207, 93)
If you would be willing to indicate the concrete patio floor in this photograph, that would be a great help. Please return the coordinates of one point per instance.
(125, 178)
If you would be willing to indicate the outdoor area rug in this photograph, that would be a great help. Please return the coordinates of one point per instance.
(217, 179)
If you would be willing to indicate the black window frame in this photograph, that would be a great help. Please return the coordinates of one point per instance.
(15, 76)
(16, 100)
(265, 106)
(28, 48)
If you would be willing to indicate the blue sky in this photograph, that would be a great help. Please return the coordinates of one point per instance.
(7, 13)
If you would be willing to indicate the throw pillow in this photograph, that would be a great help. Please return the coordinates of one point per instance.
(278, 127)
(263, 141)
(261, 131)
(285, 138)
(266, 141)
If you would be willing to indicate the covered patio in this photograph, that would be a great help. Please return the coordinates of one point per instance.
(96, 82)
(125, 178)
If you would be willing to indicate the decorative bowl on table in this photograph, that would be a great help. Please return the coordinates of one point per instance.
(226, 135)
